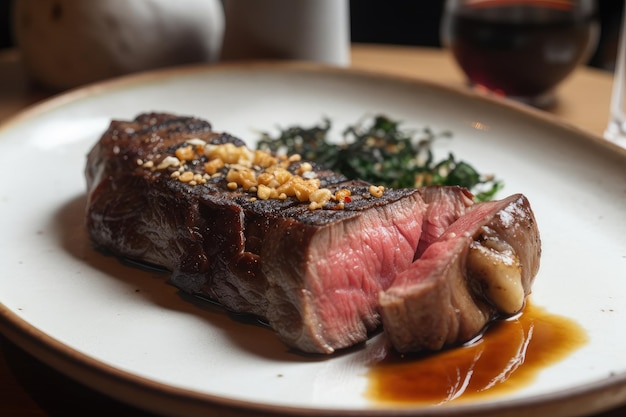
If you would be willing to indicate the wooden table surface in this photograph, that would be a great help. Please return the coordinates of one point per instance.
(30, 388)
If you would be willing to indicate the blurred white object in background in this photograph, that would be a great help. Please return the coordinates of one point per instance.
(616, 129)
(310, 30)
(66, 43)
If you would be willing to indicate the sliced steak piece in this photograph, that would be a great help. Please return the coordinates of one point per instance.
(481, 268)
(324, 278)
(315, 275)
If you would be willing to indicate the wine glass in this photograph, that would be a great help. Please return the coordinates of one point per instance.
(520, 49)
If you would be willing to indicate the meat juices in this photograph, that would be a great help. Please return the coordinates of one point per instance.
(316, 271)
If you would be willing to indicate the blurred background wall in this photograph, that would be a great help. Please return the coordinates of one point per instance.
(5, 18)
(403, 22)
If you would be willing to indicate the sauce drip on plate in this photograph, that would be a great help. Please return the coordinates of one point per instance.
(507, 357)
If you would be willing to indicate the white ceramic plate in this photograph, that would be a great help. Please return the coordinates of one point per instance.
(127, 333)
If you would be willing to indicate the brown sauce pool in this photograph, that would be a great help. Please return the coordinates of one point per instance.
(507, 357)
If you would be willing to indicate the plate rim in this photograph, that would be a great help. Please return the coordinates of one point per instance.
(166, 399)
(150, 76)
(161, 397)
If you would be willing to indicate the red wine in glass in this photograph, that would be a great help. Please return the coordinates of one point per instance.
(519, 49)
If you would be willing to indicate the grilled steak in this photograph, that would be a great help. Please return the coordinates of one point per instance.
(312, 269)
(480, 268)
(322, 259)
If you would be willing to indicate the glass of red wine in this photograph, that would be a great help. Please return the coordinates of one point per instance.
(520, 49)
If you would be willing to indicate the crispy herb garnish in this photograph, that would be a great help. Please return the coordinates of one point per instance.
(382, 153)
